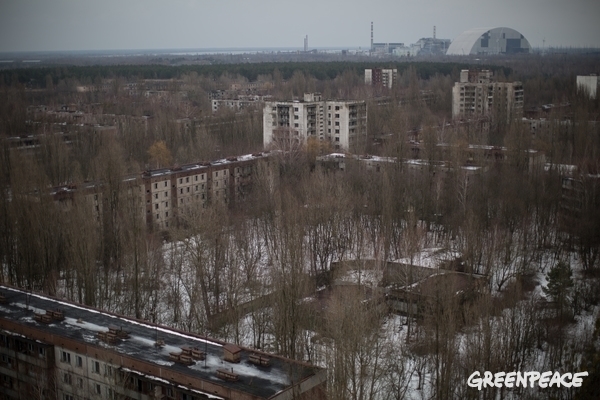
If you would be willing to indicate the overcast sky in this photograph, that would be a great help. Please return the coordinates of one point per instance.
(48, 25)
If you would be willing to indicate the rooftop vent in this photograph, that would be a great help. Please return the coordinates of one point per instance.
(259, 359)
(181, 358)
(113, 335)
(187, 355)
(51, 315)
(119, 331)
(227, 375)
(193, 352)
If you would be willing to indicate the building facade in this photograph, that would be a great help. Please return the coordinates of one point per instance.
(385, 77)
(382, 49)
(52, 349)
(288, 125)
(241, 102)
(168, 197)
(478, 94)
(588, 84)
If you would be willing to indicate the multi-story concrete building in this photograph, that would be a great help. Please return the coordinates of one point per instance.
(158, 197)
(191, 187)
(478, 94)
(385, 77)
(168, 196)
(241, 102)
(431, 46)
(220, 182)
(580, 202)
(385, 48)
(288, 125)
(588, 84)
(173, 195)
(51, 349)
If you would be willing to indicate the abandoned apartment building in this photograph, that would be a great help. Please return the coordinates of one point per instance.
(165, 197)
(51, 349)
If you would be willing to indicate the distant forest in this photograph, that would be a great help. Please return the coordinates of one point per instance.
(36, 77)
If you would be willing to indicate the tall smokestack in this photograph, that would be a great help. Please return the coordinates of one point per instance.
(434, 31)
(371, 35)
(306, 44)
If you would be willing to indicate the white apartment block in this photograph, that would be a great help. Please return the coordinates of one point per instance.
(287, 125)
(478, 94)
(588, 84)
(381, 77)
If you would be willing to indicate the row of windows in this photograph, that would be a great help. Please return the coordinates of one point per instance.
(187, 179)
(197, 198)
(109, 393)
(21, 346)
(197, 188)
(6, 380)
(166, 194)
(65, 357)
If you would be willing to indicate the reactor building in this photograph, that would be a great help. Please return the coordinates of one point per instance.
(489, 41)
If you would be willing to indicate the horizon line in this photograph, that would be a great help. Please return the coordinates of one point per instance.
(191, 49)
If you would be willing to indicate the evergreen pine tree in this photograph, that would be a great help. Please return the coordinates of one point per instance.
(559, 285)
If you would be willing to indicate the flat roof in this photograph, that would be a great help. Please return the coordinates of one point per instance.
(82, 324)
(200, 165)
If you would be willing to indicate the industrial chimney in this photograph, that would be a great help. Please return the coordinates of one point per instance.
(371, 36)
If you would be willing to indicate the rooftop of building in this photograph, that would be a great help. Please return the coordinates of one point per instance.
(82, 324)
(200, 165)
(308, 99)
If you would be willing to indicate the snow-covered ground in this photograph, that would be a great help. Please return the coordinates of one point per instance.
(250, 265)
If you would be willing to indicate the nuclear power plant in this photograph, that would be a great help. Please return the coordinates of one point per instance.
(424, 46)
(485, 41)
(489, 41)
